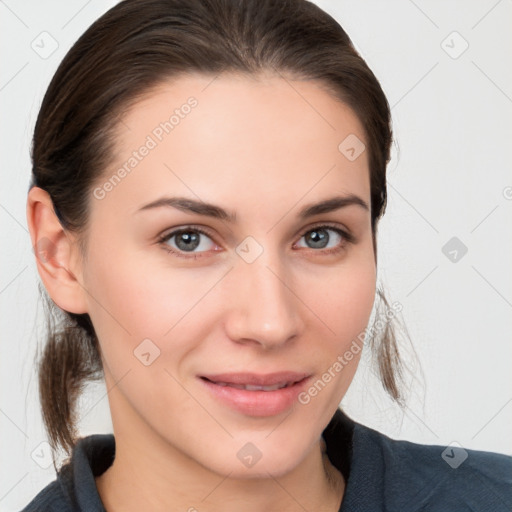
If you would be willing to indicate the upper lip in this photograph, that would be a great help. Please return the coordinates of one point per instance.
(257, 379)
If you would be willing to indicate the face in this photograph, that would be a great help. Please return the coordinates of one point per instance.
(204, 313)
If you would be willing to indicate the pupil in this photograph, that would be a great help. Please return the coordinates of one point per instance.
(187, 240)
(319, 238)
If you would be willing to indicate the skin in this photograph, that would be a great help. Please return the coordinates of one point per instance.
(262, 147)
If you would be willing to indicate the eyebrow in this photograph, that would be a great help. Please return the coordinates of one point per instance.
(188, 205)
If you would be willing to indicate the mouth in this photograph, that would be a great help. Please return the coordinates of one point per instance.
(256, 394)
(252, 387)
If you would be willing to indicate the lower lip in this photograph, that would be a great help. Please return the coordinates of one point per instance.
(257, 403)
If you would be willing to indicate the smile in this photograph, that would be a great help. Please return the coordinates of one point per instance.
(256, 394)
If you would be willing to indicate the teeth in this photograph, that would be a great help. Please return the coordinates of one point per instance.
(250, 387)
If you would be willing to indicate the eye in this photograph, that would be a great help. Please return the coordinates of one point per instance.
(319, 237)
(324, 238)
(187, 240)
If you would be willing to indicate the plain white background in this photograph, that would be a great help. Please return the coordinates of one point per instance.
(445, 68)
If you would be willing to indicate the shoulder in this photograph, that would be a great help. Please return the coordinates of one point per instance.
(50, 499)
(74, 488)
(433, 477)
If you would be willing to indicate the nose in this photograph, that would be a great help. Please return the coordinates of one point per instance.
(266, 309)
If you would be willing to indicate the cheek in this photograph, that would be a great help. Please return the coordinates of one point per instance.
(343, 299)
(342, 305)
(132, 300)
(127, 295)
(139, 315)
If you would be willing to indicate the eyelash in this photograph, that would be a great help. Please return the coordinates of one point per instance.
(347, 238)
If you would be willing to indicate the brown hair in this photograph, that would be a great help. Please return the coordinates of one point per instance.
(134, 46)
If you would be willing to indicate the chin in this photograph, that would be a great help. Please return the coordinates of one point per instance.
(258, 459)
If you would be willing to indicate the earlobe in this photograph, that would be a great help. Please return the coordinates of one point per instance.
(56, 255)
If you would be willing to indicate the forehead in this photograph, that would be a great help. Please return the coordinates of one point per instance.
(232, 136)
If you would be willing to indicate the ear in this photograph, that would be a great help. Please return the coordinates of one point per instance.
(57, 256)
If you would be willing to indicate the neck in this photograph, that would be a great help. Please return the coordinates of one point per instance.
(165, 479)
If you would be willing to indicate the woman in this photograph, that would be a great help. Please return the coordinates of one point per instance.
(208, 177)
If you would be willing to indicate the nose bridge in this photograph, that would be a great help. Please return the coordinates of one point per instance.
(266, 308)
